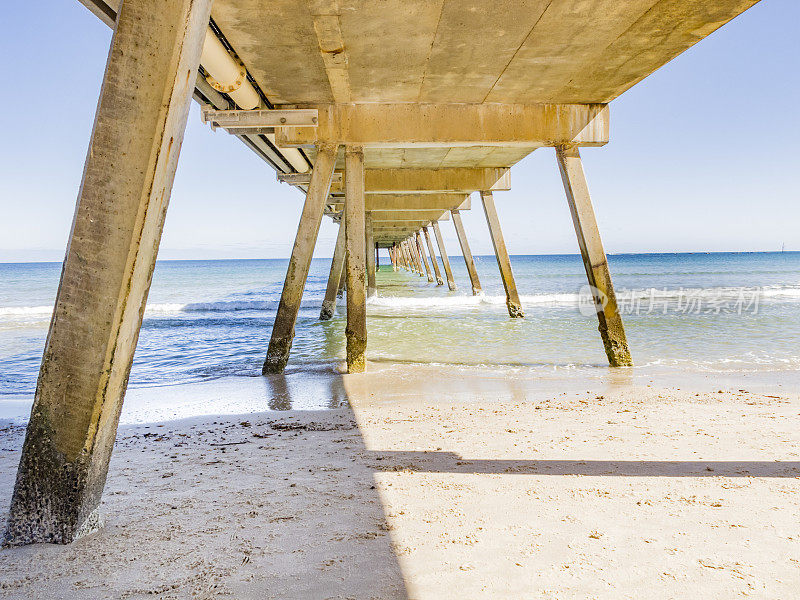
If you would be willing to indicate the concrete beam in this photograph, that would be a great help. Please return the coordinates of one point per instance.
(379, 125)
(280, 342)
(383, 216)
(594, 257)
(463, 180)
(116, 230)
(409, 202)
(332, 49)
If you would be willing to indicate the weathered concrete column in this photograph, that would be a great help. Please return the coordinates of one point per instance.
(280, 342)
(334, 277)
(343, 276)
(445, 259)
(356, 330)
(421, 250)
(116, 230)
(407, 257)
(503, 260)
(412, 261)
(412, 267)
(594, 257)
(372, 289)
(434, 262)
(415, 251)
(465, 250)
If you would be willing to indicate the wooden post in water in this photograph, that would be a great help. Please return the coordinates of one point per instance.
(116, 229)
(465, 250)
(334, 277)
(611, 329)
(503, 260)
(370, 256)
(421, 250)
(280, 342)
(356, 329)
(434, 262)
(445, 259)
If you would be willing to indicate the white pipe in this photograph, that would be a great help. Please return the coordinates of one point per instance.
(227, 75)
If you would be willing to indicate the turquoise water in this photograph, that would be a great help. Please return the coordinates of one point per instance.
(211, 319)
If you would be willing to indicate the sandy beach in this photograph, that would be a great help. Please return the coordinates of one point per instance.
(431, 486)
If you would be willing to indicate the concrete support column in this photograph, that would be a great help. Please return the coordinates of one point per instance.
(417, 258)
(111, 253)
(503, 261)
(370, 256)
(334, 277)
(280, 342)
(421, 250)
(356, 330)
(434, 262)
(343, 276)
(594, 256)
(407, 256)
(445, 259)
(412, 262)
(465, 250)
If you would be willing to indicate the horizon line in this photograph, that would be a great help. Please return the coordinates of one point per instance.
(577, 254)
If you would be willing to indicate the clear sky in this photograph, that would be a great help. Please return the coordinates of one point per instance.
(703, 154)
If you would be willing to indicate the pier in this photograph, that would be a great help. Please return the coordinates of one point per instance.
(391, 117)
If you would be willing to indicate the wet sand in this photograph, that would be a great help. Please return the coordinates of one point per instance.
(432, 485)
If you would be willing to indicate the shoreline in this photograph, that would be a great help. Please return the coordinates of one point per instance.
(443, 487)
(324, 389)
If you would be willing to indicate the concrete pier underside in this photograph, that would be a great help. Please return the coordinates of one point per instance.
(419, 104)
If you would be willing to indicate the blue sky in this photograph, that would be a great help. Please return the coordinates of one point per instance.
(703, 154)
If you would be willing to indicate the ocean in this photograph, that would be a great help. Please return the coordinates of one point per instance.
(716, 314)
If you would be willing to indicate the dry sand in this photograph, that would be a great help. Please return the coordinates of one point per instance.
(435, 486)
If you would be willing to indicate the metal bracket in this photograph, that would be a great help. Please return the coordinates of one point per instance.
(259, 121)
(304, 178)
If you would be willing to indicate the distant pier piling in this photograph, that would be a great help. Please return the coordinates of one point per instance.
(451, 284)
(432, 254)
(334, 277)
(501, 253)
(423, 256)
(372, 289)
(469, 261)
